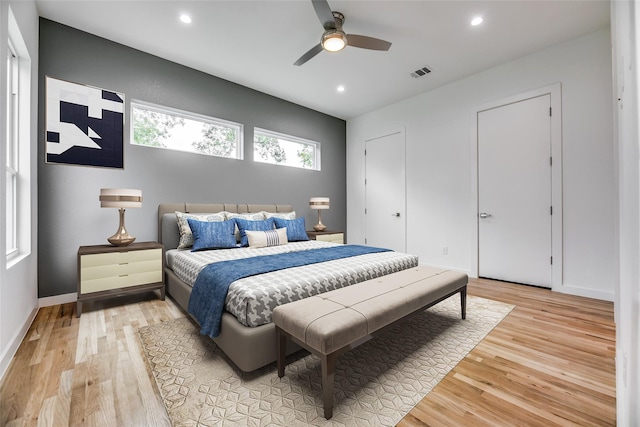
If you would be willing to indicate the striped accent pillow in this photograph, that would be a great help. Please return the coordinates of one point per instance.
(261, 239)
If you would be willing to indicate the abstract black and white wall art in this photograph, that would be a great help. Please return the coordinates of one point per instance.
(84, 125)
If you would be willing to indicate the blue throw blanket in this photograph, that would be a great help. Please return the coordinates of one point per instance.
(212, 284)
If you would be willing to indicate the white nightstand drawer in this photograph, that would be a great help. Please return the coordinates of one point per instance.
(333, 238)
(114, 258)
(124, 281)
(122, 269)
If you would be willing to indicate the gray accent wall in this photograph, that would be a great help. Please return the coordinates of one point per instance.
(69, 213)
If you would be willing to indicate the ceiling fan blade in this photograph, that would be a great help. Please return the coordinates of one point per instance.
(366, 42)
(324, 14)
(310, 54)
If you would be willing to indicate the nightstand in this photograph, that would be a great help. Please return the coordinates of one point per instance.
(106, 271)
(326, 236)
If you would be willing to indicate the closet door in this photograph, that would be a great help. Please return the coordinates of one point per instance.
(385, 194)
(514, 192)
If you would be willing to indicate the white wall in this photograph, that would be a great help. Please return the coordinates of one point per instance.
(18, 281)
(440, 212)
(626, 37)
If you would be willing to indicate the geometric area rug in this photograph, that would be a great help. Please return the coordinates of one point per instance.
(376, 384)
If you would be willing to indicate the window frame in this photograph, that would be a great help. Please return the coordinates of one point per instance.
(175, 112)
(317, 151)
(12, 151)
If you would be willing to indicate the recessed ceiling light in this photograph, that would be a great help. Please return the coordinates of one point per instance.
(476, 21)
(340, 88)
(185, 18)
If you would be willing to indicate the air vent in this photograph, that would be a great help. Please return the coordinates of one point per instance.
(421, 72)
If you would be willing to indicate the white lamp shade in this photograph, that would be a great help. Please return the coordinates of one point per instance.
(120, 198)
(319, 203)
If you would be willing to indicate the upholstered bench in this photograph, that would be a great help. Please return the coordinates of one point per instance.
(334, 322)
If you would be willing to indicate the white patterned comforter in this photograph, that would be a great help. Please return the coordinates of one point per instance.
(252, 299)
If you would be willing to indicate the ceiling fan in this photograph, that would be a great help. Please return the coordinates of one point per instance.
(334, 38)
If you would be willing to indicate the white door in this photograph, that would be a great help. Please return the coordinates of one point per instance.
(514, 192)
(385, 203)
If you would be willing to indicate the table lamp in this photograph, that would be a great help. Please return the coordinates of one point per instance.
(319, 203)
(120, 198)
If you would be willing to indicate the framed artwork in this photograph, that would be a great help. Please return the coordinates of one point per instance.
(84, 125)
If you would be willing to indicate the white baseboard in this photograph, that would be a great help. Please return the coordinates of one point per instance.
(564, 289)
(585, 292)
(58, 299)
(17, 339)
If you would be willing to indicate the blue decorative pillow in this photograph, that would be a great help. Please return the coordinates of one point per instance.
(244, 225)
(259, 216)
(186, 237)
(212, 235)
(296, 230)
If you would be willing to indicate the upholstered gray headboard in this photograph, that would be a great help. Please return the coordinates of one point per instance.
(168, 233)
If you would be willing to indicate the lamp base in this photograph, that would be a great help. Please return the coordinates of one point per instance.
(118, 240)
(319, 227)
(122, 237)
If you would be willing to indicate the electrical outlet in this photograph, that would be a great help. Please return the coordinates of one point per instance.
(445, 250)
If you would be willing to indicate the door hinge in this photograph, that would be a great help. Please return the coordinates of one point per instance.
(550, 210)
(551, 260)
(550, 112)
(550, 161)
(365, 240)
(365, 152)
(365, 181)
(365, 211)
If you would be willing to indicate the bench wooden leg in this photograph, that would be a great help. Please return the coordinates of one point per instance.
(463, 302)
(281, 344)
(328, 371)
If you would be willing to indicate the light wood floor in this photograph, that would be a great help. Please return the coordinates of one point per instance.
(550, 362)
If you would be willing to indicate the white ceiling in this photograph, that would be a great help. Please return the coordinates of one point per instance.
(255, 43)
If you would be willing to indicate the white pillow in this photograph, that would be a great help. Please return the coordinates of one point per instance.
(262, 239)
(256, 216)
(283, 215)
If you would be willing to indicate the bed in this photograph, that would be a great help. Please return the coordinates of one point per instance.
(246, 333)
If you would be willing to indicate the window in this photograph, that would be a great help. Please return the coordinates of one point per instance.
(12, 151)
(285, 150)
(17, 115)
(163, 127)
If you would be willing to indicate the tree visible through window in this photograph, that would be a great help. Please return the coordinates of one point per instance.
(152, 128)
(155, 126)
(279, 149)
(269, 149)
(216, 141)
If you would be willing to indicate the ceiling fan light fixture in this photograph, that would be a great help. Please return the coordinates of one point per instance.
(476, 21)
(334, 40)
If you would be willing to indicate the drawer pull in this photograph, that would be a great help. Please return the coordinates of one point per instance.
(123, 275)
(123, 263)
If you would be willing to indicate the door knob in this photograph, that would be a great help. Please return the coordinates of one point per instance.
(395, 214)
(484, 215)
